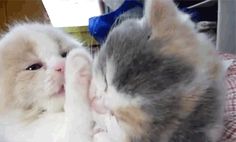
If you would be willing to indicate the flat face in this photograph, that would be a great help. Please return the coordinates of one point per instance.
(31, 57)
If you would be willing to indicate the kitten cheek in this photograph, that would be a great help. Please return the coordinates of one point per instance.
(92, 91)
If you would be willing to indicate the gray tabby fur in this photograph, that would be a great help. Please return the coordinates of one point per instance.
(141, 69)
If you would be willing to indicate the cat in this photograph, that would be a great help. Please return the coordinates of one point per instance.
(160, 78)
(45, 77)
(156, 78)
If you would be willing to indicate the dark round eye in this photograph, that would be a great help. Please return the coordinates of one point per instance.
(64, 54)
(149, 36)
(34, 66)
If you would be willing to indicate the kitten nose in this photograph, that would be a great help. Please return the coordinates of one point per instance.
(97, 104)
(60, 66)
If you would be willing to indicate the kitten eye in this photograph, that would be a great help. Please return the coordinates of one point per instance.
(106, 85)
(149, 36)
(64, 54)
(34, 66)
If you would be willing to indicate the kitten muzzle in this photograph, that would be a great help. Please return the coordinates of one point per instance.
(60, 92)
(97, 104)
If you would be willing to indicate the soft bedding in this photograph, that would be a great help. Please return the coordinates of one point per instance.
(229, 134)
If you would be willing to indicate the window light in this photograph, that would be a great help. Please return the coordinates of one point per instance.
(67, 13)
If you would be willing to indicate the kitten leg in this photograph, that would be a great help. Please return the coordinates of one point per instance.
(113, 132)
(78, 115)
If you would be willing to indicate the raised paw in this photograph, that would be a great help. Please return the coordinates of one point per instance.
(77, 79)
(78, 67)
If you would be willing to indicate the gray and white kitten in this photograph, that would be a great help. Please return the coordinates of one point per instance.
(160, 78)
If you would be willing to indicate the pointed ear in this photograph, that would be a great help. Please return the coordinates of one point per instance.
(163, 17)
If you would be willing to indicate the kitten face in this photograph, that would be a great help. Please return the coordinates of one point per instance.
(154, 72)
(32, 67)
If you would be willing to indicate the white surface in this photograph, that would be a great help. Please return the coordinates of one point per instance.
(66, 13)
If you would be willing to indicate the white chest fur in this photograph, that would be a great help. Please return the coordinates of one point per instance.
(48, 128)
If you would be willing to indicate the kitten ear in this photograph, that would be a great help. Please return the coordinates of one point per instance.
(163, 17)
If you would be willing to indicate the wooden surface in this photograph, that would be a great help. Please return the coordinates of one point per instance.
(21, 10)
(3, 19)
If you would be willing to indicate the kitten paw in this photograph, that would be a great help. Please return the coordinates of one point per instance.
(102, 137)
(78, 67)
(77, 79)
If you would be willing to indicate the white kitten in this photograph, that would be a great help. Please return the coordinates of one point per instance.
(32, 94)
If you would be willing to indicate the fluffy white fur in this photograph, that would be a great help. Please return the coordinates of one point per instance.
(34, 105)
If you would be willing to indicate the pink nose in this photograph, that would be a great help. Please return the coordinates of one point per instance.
(60, 66)
(97, 104)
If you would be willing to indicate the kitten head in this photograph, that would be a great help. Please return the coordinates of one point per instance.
(32, 60)
(151, 72)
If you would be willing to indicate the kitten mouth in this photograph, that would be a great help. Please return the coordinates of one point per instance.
(61, 91)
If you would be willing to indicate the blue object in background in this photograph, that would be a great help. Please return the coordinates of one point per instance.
(100, 26)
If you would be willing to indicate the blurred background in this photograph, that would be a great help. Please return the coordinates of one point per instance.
(90, 20)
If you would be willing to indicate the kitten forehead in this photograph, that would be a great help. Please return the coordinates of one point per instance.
(36, 40)
(135, 27)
